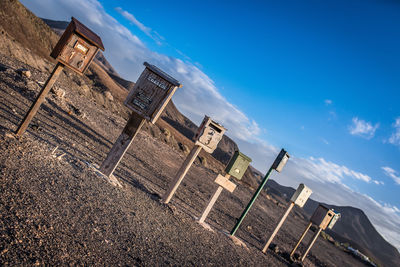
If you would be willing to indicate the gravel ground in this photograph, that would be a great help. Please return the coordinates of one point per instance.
(55, 210)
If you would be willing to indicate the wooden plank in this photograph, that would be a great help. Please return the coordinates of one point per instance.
(210, 204)
(311, 243)
(122, 144)
(301, 239)
(39, 100)
(181, 174)
(225, 183)
(281, 221)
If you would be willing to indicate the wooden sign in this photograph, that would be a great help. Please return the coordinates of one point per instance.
(77, 46)
(209, 134)
(151, 93)
(225, 183)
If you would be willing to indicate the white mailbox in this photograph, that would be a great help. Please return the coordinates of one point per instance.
(280, 160)
(335, 218)
(209, 134)
(301, 195)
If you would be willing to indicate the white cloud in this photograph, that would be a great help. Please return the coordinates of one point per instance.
(363, 128)
(395, 137)
(147, 30)
(392, 174)
(324, 141)
(378, 182)
(328, 102)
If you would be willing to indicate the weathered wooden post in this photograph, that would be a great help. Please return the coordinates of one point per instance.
(236, 167)
(147, 99)
(76, 49)
(322, 217)
(278, 165)
(207, 137)
(299, 198)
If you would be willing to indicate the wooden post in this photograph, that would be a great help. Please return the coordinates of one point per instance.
(181, 173)
(40, 98)
(210, 204)
(312, 241)
(301, 239)
(122, 144)
(282, 220)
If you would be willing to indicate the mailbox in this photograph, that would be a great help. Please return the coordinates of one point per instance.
(238, 164)
(335, 218)
(209, 134)
(77, 46)
(280, 160)
(301, 195)
(322, 216)
(151, 93)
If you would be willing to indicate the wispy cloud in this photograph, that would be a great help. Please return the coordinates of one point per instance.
(395, 137)
(326, 142)
(328, 102)
(392, 174)
(363, 128)
(147, 30)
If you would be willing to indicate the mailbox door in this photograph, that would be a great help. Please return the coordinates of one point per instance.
(211, 137)
(148, 94)
(77, 53)
(238, 167)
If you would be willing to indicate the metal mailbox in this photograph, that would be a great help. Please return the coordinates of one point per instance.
(322, 216)
(335, 218)
(238, 164)
(151, 93)
(301, 195)
(209, 134)
(77, 46)
(280, 160)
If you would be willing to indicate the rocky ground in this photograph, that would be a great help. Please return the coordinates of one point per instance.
(56, 210)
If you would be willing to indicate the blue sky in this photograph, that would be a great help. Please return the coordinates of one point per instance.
(319, 78)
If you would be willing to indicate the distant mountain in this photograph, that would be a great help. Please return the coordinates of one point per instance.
(354, 228)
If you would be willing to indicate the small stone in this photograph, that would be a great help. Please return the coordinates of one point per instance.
(184, 148)
(58, 92)
(109, 96)
(24, 72)
(3, 67)
(203, 161)
(84, 89)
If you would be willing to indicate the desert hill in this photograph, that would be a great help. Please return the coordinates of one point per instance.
(33, 50)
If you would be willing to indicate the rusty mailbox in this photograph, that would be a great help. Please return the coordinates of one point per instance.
(77, 46)
(301, 195)
(322, 216)
(209, 134)
(151, 93)
(238, 164)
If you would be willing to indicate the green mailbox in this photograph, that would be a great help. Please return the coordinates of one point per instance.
(238, 165)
